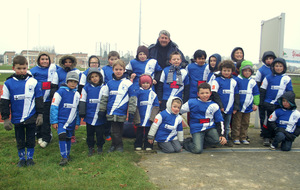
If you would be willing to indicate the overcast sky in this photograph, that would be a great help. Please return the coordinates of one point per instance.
(216, 26)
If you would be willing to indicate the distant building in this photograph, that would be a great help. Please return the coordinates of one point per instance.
(82, 59)
(31, 56)
(8, 57)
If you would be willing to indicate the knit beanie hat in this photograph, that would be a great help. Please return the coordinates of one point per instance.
(72, 75)
(143, 49)
(145, 78)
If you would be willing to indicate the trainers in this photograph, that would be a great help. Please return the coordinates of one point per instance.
(272, 147)
(138, 148)
(91, 152)
(148, 149)
(30, 162)
(248, 138)
(108, 138)
(120, 149)
(266, 142)
(99, 150)
(73, 140)
(245, 142)
(111, 149)
(22, 163)
(237, 142)
(40, 140)
(43, 144)
(63, 162)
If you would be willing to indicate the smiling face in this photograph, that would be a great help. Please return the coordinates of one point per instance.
(247, 73)
(213, 62)
(278, 67)
(175, 107)
(226, 72)
(175, 60)
(94, 62)
(20, 69)
(146, 85)
(200, 60)
(68, 63)
(164, 40)
(44, 61)
(204, 94)
(112, 59)
(118, 71)
(142, 56)
(238, 55)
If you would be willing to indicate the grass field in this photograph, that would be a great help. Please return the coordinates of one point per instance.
(107, 171)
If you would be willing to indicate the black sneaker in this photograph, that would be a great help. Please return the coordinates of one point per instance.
(22, 163)
(112, 148)
(120, 149)
(30, 162)
(63, 162)
(91, 152)
(99, 150)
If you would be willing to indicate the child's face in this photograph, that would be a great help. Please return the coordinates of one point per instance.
(112, 59)
(20, 69)
(95, 78)
(72, 84)
(226, 72)
(146, 85)
(204, 94)
(44, 61)
(142, 56)
(213, 62)
(175, 60)
(238, 55)
(247, 73)
(118, 71)
(175, 108)
(94, 62)
(278, 67)
(200, 60)
(269, 60)
(68, 63)
(286, 103)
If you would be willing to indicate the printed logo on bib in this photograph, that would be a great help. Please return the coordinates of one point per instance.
(19, 97)
(275, 87)
(66, 105)
(174, 85)
(227, 92)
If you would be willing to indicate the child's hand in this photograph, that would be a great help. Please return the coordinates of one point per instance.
(76, 127)
(222, 140)
(133, 75)
(234, 112)
(222, 109)
(55, 126)
(150, 141)
(154, 82)
(254, 107)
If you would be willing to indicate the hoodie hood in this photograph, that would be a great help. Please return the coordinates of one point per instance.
(39, 57)
(234, 50)
(169, 103)
(280, 60)
(246, 65)
(290, 97)
(218, 58)
(268, 54)
(94, 70)
(63, 58)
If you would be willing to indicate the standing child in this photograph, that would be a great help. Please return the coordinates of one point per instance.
(167, 127)
(107, 74)
(272, 87)
(22, 97)
(237, 56)
(89, 107)
(225, 93)
(147, 109)
(213, 62)
(117, 98)
(64, 114)
(285, 121)
(44, 73)
(174, 81)
(249, 100)
(142, 65)
(206, 125)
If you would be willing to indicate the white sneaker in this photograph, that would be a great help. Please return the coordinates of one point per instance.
(138, 148)
(43, 144)
(148, 149)
(245, 142)
(40, 140)
(272, 147)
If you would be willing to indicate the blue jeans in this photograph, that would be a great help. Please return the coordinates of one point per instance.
(210, 137)
(286, 145)
(227, 119)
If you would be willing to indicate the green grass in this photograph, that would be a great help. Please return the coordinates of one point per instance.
(107, 171)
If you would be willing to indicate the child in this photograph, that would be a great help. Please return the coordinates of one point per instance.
(94, 62)
(213, 62)
(206, 121)
(225, 93)
(237, 56)
(89, 107)
(67, 63)
(64, 114)
(265, 70)
(285, 121)
(22, 96)
(117, 98)
(167, 127)
(44, 73)
(142, 65)
(147, 109)
(272, 87)
(107, 74)
(174, 81)
(249, 100)
(197, 72)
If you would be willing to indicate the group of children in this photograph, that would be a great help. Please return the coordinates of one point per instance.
(218, 97)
